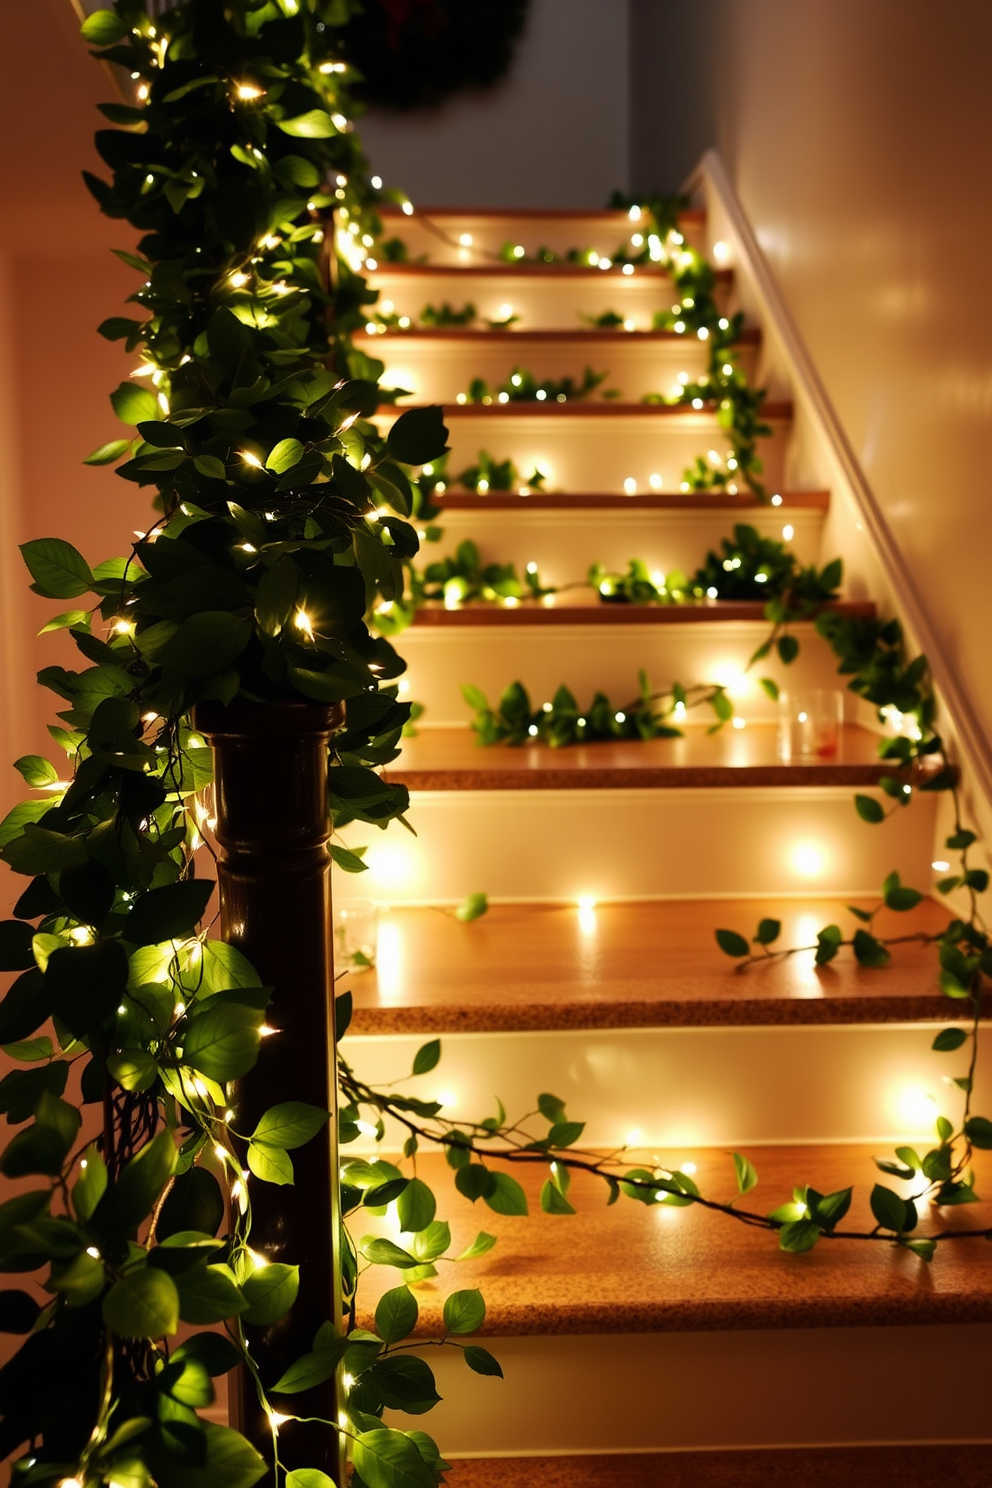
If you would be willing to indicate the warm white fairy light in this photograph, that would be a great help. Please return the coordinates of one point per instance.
(238, 280)
(939, 866)
(627, 269)
(630, 486)
(249, 90)
(250, 459)
(407, 208)
(776, 501)
(788, 531)
(302, 622)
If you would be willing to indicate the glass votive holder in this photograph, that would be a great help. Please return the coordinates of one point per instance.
(355, 933)
(809, 724)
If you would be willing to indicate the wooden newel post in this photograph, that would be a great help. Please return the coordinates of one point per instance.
(270, 772)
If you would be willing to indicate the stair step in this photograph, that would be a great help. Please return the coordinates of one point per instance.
(580, 444)
(919, 1466)
(611, 1271)
(564, 534)
(648, 1328)
(544, 967)
(584, 607)
(436, 230)
(452, 760)
(548, 295)
(435, 366)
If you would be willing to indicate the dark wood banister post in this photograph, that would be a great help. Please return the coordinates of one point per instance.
(270, 771)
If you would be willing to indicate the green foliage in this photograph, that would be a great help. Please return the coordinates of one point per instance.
(521, 386)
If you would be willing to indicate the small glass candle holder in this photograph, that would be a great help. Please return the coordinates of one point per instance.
(355, 933)
(809, 724)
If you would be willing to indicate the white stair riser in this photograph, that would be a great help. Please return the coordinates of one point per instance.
(678, 1391)
(554, 845)
(591, 658)
(597, 454)
(436, 370)
(489, 231)
(564, 543)
(542, 301)
(671, 1090)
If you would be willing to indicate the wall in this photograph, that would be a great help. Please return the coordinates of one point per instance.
(858, 137)
(553, 133)
(58, 280)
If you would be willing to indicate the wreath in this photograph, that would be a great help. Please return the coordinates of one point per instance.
(414, 54)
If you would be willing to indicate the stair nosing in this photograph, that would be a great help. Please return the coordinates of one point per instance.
(705, 501)
(533, 612)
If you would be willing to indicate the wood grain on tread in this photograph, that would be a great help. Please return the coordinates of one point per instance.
(471, 336)
(584, 607)
(636, 1268)
(600, 408)
(808, 1467)
(529, 967)
(451, 759)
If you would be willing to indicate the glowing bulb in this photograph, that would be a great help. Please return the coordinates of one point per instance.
(712, 592)
(739, 723)
(220, 1152)
(407, 209)
(627, 269)
(446, 1098)
(620, 717)
(629, 325)
(465, 239)
(630, 486)
(92, 1252)
(634, 214)
(376, 181)
(940, 866)
(504, 312)
(586, 901)
(655, 481)
(688, 1168)
(277, 1419)
(679, 327)
(251, 459)
(248, 90)
(266, 1032)
(776, 501)
(532, 730)
(518, 251)
(807, 860)
(238, 280)
(697, 403)
(633, 1137)
(482, 486)
(727, 369)
(788, 531)
(540, 395)
(703, 333)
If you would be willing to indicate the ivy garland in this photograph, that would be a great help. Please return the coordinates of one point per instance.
(269, 548)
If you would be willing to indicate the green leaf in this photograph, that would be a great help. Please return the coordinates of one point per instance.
(284, 455)
(143, 1304)
(105, 454)
(418, 435)
(141, 1181)
(732, 944)
(798, 1236)
(948, 1040)
(747, 1175)
(231, 1462)
(210, 466)
(312, 1369)
(209, 1294)
(472, 908)
(169, 913)
(308, 1477)
(768, 931)
(828, 942)
(868, 951)
(553, 1201)
(978, 1130)
(223, 1041)
(134, 405)
(869, 809)
(416, 1206)
(207, 642)
(506, 1195)
(385, 1253)
(270, 1292)
(892, 1212)
(396, 1315)
(788, 649)
(464, 1312)
(565, 1133)
(59, 570)
(482, 1361)
(103, 28)
(315, 124)
(290, 1124)
(482, 1243)
(426, 1057)
(925, 1249)
(270, 1164)
(388, 1459)
(346, 860)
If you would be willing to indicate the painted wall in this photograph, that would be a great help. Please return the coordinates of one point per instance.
(553, 133)
(859, 137)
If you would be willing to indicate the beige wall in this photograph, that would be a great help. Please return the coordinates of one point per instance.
(858, 134)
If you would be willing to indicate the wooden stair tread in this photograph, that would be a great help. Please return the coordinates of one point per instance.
(636, 1268)
(708, 501)
(584, 607)
(688, 217)
(780, 412)
(917, 1466)
(450, 759)
(526, 270)
(589, 335)
(527, 967)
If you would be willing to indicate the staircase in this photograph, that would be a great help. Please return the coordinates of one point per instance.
(669, 1334)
